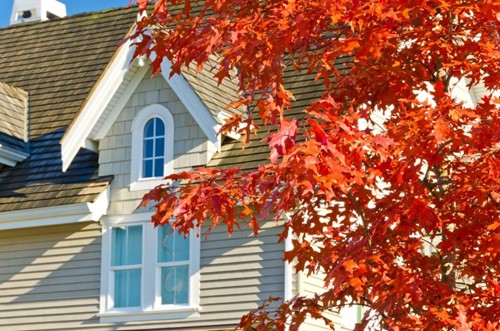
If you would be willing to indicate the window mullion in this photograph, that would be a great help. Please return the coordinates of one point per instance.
(173, 264)
(149, 258)
(126, 267)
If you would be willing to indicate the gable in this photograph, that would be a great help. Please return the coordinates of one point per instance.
(116, 154)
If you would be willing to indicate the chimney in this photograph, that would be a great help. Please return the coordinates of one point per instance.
(36, 10)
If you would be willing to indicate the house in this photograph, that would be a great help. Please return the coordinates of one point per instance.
(84, 133)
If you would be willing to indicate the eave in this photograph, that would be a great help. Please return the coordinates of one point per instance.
(63, 214)
(11, 157)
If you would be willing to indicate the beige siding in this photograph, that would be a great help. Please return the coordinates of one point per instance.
(308, 286)
(47, 274)
(49, 279)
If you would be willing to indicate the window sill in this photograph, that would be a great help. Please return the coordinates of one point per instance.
(149, 315)
(146, 184)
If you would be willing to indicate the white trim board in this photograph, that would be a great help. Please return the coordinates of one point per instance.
(96, 103)
(122, 101)
(64, 214)
(192, 101)
(11, 157)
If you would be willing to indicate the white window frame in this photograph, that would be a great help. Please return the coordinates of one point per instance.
(151, 307)
(149, 112)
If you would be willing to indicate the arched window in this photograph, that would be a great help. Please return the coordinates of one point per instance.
(153, 156)
(152, 147)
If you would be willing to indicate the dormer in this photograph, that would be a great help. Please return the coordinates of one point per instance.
(36, 10)
(13, 125)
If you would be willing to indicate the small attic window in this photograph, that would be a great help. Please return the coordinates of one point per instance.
(152, 147)
(153, 157)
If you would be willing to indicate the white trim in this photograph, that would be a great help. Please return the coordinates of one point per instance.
(65, 214)
(192, 101)
(122, 102)
(11, 157)
(99, 99)
(288, 273)
(140, 120)
(288, 286)
(95, 104)
(148, 310)
(177, 313)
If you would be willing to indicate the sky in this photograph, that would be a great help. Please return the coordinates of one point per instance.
(72, 7)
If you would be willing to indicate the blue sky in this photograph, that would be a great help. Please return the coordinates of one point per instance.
(72, 7)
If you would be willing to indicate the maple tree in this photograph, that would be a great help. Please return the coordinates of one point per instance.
(400, 214)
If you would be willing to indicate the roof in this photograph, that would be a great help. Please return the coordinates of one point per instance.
(57, 62)
(14, 115)
(215, 97)
(306, 89)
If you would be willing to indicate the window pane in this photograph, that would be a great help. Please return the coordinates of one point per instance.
(147, 171)
(149, 128)
(160, 127)
(134, 247)
(127, 288)
(175, 285)
(172, 247)
(148, 148)
(160, 147)
(159, 167)
(126, 246)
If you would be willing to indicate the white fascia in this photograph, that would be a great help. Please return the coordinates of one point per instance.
(11, 157)
(122, 101)
(288, 271)
(193, 103)
(96, 103)
(65, 214)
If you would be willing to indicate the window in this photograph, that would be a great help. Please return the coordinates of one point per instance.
(147, 273)
(152, 147)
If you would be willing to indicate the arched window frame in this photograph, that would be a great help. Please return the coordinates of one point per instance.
(137, 182)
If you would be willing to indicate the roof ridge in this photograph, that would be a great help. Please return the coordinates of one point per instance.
(69, 17)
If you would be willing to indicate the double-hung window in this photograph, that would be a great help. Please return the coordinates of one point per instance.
(147, 273)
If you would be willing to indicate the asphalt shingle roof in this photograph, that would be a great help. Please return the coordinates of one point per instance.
(57, 62)
(305, 89)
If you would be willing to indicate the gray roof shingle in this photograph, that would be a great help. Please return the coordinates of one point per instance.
(57, 62)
